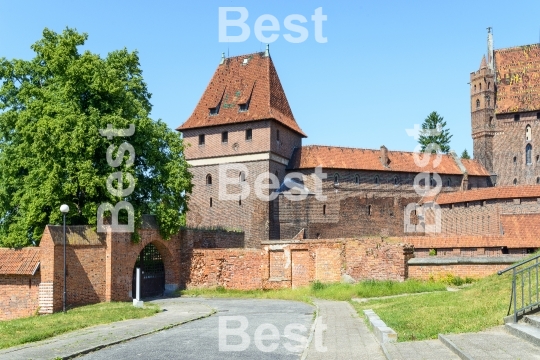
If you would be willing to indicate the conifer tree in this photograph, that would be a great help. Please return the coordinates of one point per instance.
(434, 136)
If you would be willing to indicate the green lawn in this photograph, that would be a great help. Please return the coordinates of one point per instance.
(326, 291)
(475, 307)
(20, 331)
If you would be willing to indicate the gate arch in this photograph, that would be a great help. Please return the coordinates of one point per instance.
(152, 268)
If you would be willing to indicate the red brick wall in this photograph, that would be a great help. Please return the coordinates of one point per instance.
(18, 295)
(426, 272)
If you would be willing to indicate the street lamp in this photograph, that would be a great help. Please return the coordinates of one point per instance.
(64, 209)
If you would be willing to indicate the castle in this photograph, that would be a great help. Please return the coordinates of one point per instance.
(378, 214)
(244, 118)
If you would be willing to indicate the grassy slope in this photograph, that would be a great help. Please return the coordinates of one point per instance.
(20, 331)
(474, 308)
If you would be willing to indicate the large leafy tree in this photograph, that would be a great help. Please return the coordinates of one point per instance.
(434, 131)
(51, 152)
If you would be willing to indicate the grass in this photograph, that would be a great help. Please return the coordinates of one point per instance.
(35, 328)
(473, 308)
(325, 291)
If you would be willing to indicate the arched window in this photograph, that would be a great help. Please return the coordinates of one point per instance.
(480, 86)
(336, 179)
(538, 180)
(324, 209)
(448, 182)
(377, 181)
(528, 154)
(515, 159)
(515, 181)
(242, 176)
(477, 103)
(528, 133)
(474, 87)
(208, 179)
(396, 180)
(357, 179)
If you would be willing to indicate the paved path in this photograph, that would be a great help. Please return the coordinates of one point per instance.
(201, 339)
(83, 340)
(346, 335)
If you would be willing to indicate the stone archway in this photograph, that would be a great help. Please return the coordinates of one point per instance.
(152, 268)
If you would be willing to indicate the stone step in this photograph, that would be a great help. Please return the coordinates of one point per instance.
(533, 320)
(526, 332)
(495, 343)
(419, 350)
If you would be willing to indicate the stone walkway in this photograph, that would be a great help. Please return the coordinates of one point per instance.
(96, 337)
(346, 335)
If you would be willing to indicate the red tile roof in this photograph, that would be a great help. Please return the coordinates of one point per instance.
(503, 192)
(365, 159)
(518, 79)
(236, 82)
(19, 261)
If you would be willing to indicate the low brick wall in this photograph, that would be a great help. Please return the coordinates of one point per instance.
(474, 267)
(18, 295)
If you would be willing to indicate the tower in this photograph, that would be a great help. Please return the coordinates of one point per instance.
(483, 122)
(241, 133)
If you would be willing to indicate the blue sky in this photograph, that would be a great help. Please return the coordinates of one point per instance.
(386, 64)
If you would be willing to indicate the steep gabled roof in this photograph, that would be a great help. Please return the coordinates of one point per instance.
(518, 79)
(23, 261)
(248, 79)
(334, 157)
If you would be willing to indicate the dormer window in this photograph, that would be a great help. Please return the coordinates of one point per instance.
(214, 111)
(243, 107)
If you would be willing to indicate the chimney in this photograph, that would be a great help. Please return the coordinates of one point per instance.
(384, 156)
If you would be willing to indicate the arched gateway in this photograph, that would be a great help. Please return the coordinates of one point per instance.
(152, 272)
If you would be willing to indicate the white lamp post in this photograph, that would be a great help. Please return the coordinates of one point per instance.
(64, 209)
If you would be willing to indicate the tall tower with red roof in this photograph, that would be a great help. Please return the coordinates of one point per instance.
(241, 128)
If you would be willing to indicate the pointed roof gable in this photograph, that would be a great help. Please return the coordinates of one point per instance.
(250, 80)
(483, 63)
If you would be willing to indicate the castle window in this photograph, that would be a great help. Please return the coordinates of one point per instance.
(210, 202)
(538, 115)
(208, 179)
(516, 117)
(214, 111)
(240, 202)
(243, 107)
(377, 181)
(249, 134)
(357, 179)
(277, 135)
(396, 180)
(515, 159)
(515, 181)
(336, 179)
(474, 87)
(369, 209)
(324, 209)
(488, 100)
(480, 86)
(528, 133)
(528, 154)
(224, 137)
(477, 103)
(448, 182)
(491, 120)
(201, 139)
(242, 176)
(538, 180)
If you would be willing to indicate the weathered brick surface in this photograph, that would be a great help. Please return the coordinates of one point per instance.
(18, 295)
(426, 272)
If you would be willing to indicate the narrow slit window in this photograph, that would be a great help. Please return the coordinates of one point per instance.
(208, 179)
(249, 134)
(225, 137)
(324, 209)
(201, 139)
(528, 154)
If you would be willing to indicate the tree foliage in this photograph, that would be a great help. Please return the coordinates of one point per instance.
(465, 154)
(51, 152)
(434, 132)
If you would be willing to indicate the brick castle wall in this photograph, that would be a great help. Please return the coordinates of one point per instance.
(19, 295)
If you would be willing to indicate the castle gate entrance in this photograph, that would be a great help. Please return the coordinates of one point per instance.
(152, 272)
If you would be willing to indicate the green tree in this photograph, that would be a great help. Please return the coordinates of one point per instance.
(51, 152)
(465, 154)
(434, 132)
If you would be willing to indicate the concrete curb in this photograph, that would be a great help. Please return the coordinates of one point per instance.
(382, 332)
(101, 346)
(453, 347)
(311, 332)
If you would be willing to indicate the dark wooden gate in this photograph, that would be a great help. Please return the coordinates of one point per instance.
(152, 272)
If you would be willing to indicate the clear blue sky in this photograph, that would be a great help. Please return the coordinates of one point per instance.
(385, 67)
